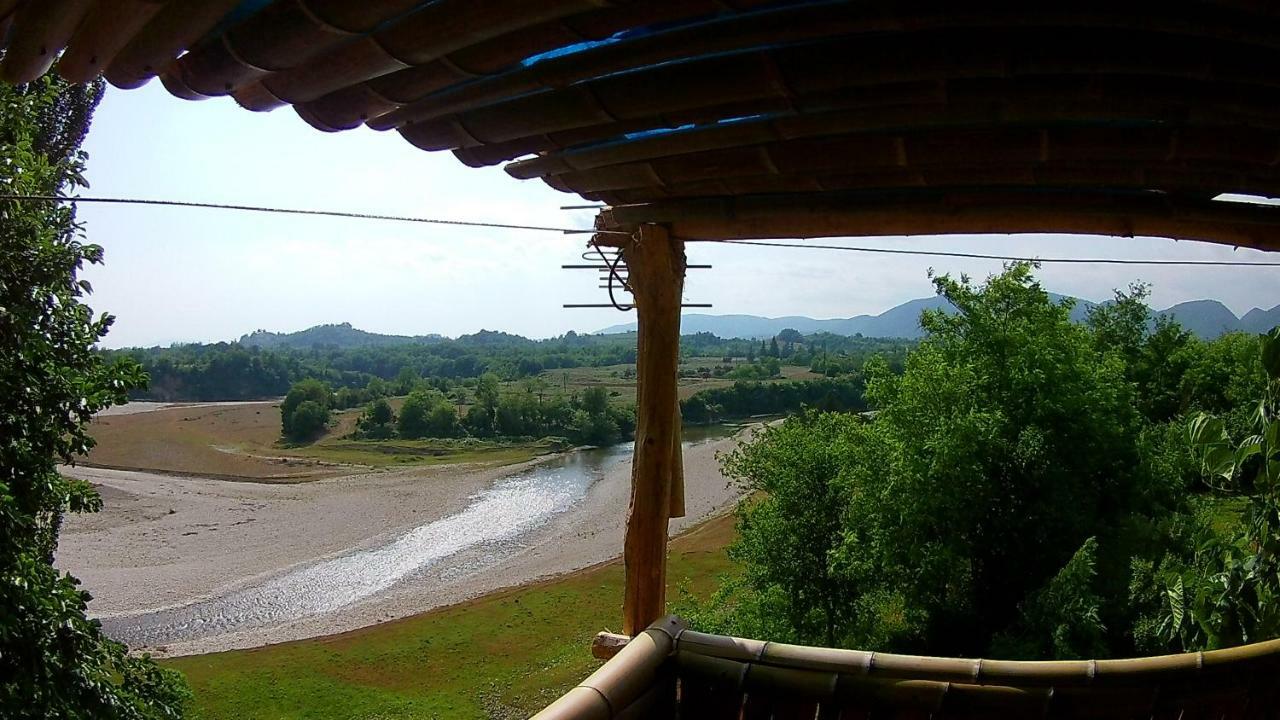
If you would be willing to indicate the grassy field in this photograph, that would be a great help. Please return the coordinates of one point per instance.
(242, 441)
(620, 379)
(504, 655)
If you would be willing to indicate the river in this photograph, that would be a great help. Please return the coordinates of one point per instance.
(487, 530)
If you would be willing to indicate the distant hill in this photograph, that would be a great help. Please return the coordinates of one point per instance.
(340, 336)
(1205, 318)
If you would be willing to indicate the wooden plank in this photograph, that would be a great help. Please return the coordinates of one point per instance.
(656, 264)
(606, 644)
(930, 212)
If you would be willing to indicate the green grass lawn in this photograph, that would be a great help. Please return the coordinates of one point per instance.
(504, 655)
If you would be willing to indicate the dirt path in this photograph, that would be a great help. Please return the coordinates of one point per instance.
(166, 541)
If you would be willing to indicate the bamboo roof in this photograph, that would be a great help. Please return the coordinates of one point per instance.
(1099, 116)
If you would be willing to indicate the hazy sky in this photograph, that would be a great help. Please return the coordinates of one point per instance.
(204, 275)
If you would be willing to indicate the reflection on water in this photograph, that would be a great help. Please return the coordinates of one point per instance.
(493, 521)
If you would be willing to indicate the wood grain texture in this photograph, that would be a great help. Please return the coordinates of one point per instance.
(656, 265)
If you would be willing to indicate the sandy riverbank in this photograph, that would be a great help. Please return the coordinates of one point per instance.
(138, 556)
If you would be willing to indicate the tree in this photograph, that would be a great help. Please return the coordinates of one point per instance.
(54, 661)
(303, 390)
(309, 419)
(442, 420)
(378, 421)
(480, 419)
(967, 516)
(413, 422)
(790, 336)
(595, 400)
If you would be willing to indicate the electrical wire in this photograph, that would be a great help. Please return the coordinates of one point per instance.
(580, 231)
(984, 256)
(300, 211)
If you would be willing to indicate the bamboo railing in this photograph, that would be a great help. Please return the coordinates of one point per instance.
(670, 671)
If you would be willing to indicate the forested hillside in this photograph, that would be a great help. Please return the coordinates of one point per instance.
(234, 371)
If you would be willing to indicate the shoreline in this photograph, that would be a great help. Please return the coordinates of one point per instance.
(138, 557)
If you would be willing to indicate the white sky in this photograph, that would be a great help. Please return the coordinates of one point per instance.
(204, 275)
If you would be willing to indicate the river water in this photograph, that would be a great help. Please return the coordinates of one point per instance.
(493, 523)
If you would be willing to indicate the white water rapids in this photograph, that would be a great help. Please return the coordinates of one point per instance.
(493, 526)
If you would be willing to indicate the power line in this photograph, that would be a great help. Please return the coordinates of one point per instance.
(983, 256)
(580, 231)
(299, 211)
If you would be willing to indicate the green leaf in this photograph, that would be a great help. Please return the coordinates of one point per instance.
(1271, 353)
(1207, 430)
(1220, 461)
(1174, 593)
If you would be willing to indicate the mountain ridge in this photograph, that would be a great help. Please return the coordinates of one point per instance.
(1205, 318)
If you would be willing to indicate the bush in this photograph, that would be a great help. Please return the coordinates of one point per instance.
(308, 420)
(303, 391)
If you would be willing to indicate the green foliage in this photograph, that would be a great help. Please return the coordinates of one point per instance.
(378, 421)
(308, 420)
(765, 369)
(427, 413)
(1061, 619)
(1229, 591)
(54, 662)
(791, 533)
(1022, 489)
(745, 398)
(313, 391)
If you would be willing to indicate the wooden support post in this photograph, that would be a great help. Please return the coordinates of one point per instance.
(656, 265)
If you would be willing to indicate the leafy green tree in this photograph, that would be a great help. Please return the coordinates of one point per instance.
(305, 390)
(442, 420)
(378, 421)
(413, 422)
(480, 419)
(1005, 451)
(406, 379)
(54, 661)
(595, 400)
(791, 531)
(308, 420)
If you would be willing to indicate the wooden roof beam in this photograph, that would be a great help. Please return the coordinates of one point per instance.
(805, 22)
(280, 36)
(44, 27)
(809, 75)
(1079, 102)
(1099, 176)
(956, 212)
(435, 30)
(1242, 150)
(176, 27)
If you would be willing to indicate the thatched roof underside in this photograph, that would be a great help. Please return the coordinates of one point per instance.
(746, 118)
